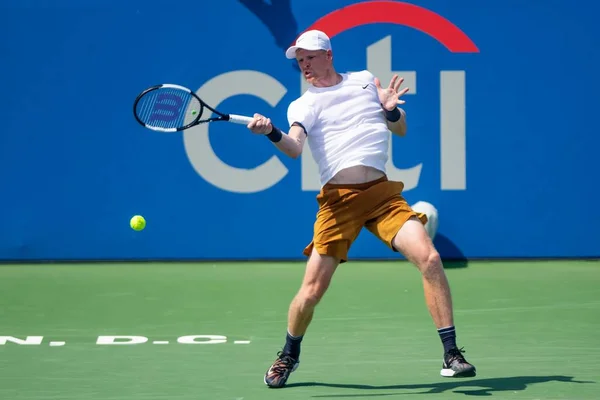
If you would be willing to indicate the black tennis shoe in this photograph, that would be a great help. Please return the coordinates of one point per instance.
(280, 371)
(456, 366)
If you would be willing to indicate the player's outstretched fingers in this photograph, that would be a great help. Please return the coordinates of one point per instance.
(398, 84)
(393, 82)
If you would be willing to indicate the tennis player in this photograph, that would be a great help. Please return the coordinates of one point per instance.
(347, 119)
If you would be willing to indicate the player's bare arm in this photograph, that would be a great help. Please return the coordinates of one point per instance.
(390, 99)
(290, 144)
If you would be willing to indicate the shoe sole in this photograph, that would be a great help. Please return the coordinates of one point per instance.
(449, 373)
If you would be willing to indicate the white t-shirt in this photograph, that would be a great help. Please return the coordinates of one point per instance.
(345, 124)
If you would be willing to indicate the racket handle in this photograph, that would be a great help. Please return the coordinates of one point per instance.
(239, 119)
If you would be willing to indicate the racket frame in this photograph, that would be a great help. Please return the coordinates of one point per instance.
(234, 118)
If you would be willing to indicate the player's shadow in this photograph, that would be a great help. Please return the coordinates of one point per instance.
(474, 387)
(451, 255)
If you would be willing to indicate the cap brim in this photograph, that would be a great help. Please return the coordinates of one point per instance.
(291, 52)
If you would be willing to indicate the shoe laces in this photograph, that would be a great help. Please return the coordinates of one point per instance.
(284, 363)
(455, 354)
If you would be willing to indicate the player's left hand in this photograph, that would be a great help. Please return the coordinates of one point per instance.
(390, 96)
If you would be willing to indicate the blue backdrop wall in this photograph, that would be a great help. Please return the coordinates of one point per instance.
(503, 128)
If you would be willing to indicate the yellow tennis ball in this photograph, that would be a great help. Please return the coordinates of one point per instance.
(137, 223)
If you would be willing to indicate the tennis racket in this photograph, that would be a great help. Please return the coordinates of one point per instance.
(172, 108)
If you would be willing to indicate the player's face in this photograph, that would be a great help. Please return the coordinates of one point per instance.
(315, 64)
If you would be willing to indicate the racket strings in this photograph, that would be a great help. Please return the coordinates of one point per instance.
(168, 108)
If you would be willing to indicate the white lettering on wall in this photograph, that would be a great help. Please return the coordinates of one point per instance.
(197, 142)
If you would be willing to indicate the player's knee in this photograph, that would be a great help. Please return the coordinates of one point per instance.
(310, 300)
(430, 264)
(311, 294)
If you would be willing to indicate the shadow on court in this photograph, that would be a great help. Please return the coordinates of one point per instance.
(475, 387)
(451, 255)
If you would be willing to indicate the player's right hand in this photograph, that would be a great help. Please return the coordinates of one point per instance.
(260, 125)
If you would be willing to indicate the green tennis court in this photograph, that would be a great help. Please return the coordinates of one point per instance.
(531, 328)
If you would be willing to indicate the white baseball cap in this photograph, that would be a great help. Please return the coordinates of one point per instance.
(309, 40)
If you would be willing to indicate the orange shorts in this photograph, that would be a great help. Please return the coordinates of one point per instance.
(345, 209)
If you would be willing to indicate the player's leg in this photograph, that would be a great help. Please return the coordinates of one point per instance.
(317, 276)
(415, 244)
(339, 221)
(401, 228)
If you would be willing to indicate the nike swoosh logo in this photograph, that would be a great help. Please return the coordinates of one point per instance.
(366, 86)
